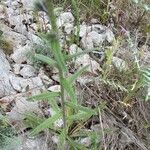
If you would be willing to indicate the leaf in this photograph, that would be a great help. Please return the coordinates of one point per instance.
(46, 60)
(46, 124)
(69, 57)
(80, 116)
(76, 146)
(62, 138)
(67, 86)
(72, 78)
(54, 104)
(32, 120)
(55, 47)
(45, 95)
(81, 108)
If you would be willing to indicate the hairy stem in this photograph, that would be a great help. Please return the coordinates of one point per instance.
(49, 5)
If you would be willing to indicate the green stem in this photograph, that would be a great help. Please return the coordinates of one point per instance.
(52, 19)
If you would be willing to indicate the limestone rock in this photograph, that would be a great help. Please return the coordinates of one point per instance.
(28, 71)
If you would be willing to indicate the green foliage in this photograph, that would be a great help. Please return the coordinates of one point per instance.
(146, 81)
(71, 112)
(8, 139)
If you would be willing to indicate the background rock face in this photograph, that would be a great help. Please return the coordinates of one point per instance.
(5, 86)
(20, 79)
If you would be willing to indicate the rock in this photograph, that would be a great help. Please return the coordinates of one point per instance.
(16, 39)
(5, 86)
(83, 80)
(54, 88)
(37, 143)
(45, 79)
(84, 30)
(22, 108)
(68, 28)
(109, 36)
(92, 39)
(97, 39)
(28, 71)
(20, 55)
(17, 22)
(94, 21)
(100, 29)
(65, 18)
(4, 64)
(59, 122)
(56, 78)
(73, 49)
(28, 4)
(87, 42)
(34, 39)
(85, 141)
(83, 60)
(16, 68)
(2, 12)
(11, 12)
(55, 139)
(120, 64)
(22, 85)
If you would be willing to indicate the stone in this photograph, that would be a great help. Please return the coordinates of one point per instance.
(21, 108)
(5, 86)
(68, 28)
(54, 88)
(109, 36)
(28, 71)
(73, 49)
(97, 39)
(100, 29)
(87, 43)
(20, 55)
(59, 122)
(23, 85)
(84, 30)
(83, 80)
(16, 69)
(120, 64)
(45, 79)
(65, 18)
(94, 21)
(28, 4)
(83, 60)
(85, 141)
(4, 64)
(17, 40)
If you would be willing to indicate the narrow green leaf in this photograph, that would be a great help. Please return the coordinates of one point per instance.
(54, 104)
(46, 124)
(80, 116)
(72, 78)
(69, 57)
(82, 108)
(56, 50)
(46, 60)
(62, 138)
(32, 120)
(75, 145)
(45, 96)
(67, 85)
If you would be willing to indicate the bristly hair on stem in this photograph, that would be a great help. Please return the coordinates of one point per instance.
(47, 6)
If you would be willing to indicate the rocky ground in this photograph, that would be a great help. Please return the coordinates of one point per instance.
(20, 77)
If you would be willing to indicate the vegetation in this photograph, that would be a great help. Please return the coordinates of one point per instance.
(74, 113)
(117, 98)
